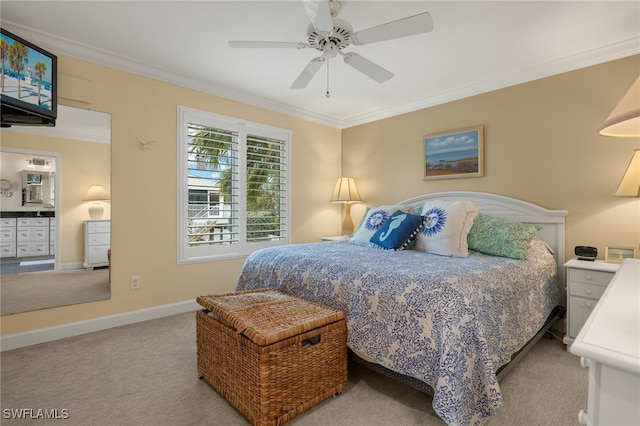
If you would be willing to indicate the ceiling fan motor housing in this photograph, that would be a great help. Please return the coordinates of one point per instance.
(330, 44)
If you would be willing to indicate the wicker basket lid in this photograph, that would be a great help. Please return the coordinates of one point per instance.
(269, 316)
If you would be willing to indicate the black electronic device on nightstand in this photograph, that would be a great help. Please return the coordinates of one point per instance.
(586, 253)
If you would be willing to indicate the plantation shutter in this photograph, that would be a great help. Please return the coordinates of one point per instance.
(213, 157)
(234, 186)
(266, 189)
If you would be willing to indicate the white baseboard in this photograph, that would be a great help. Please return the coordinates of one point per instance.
(71, 266)
(42, 335)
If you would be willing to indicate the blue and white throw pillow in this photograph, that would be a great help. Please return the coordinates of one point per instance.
(446, 227)
(373, 220)
(398, 232)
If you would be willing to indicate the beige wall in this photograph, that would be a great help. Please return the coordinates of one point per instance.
(143, 192)
(82, 163)
(541, 146)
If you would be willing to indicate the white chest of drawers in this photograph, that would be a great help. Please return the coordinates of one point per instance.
(97, 241)
(586, 282)
(609, 344)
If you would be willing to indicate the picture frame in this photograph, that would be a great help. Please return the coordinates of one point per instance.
(618, 254)
(454, 154)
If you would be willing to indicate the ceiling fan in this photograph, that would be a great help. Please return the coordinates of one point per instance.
(331, 35)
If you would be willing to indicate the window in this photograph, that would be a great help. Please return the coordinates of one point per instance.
(233, 186)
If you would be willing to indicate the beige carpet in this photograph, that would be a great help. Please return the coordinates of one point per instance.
(145, 374)
(39, 290)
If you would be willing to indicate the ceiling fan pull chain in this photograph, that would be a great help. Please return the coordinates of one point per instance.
(328, 95)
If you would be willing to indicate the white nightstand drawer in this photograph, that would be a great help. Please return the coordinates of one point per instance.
(101, 226)
(580, 311)
(586, 290)
(590, 277)
(98, 239)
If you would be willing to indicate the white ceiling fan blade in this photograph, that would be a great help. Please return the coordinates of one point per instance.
(416, 24)
(320, 15)
(268, 44)
(367, 67)
(307, 74)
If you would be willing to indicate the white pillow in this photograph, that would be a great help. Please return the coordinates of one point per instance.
(445, 233)
(373, 220)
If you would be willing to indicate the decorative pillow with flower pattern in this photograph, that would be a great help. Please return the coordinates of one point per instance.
(373, 220)
(500, 237)
(446, 228)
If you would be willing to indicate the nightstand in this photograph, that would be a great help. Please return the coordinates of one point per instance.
(97, 242)
(336, 238)
(586, 282)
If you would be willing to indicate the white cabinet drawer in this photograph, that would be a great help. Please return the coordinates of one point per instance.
(580, 310)
(33, 221)
(8, 250)
(98, 226)
(33, 234)
(98, 239)
(590, 277)
(97, 255)
(9, 222)
(8, 235)
(586, 290)
(23, 221)
(32, 249)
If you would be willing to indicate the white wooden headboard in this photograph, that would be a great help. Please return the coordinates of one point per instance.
(551, 221)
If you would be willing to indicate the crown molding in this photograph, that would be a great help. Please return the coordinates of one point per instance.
(570, 63)
(608, 53)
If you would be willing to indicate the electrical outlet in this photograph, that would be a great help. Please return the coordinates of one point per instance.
(135, 282)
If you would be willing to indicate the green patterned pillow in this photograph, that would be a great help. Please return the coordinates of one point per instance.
(500, 237)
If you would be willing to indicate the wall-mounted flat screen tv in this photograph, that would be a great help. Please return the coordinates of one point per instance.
(28, 83)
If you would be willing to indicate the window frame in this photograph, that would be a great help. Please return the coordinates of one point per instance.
(191, 254)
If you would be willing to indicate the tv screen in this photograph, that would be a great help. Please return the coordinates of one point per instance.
(34, 178)
(28, 83)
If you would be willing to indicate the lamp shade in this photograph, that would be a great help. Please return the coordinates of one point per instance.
(96, 193)
(630, 183)
(624, 120)
(345, 191)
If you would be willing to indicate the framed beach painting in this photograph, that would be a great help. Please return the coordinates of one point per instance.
(618, 254)
(454, 154)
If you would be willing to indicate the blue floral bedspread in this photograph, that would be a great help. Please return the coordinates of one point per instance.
(450, 322)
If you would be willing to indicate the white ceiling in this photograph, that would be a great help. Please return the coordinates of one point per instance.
(475, 47)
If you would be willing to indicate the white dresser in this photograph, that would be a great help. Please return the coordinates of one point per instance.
(97, 242)
(609, 344)
(586, 282)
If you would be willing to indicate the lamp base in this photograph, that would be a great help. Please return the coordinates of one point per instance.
(96, 211)
(347, 223)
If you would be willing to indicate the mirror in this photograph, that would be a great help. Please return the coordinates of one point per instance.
(38, 188)
(44, 216)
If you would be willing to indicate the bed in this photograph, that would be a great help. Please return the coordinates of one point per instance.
(449, 325)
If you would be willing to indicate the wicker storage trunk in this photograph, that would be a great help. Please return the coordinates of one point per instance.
(272, 356)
